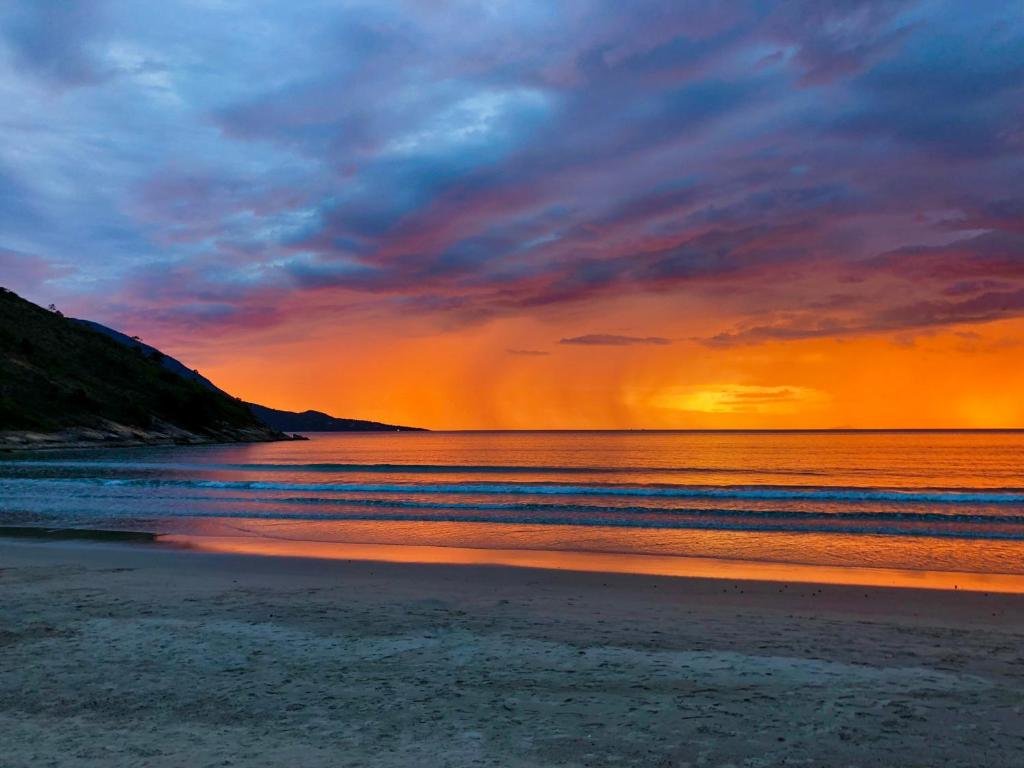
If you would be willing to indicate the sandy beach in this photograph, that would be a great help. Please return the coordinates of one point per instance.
(140, 655)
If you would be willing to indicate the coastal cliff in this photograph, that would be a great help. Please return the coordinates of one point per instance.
(64, 384)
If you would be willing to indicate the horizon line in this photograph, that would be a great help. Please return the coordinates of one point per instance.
(688, 429)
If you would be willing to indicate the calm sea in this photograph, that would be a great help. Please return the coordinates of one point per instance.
(951, 501)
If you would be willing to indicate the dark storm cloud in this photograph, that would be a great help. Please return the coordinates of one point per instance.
(209, 162)
(983, 308)
(991, 255)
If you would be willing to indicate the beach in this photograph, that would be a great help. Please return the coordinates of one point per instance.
(146, 655)
(511, 385)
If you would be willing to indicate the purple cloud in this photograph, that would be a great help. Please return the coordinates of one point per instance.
(991, 255)
(28, 273)
(613, 340)
(983, 308)
(813, 168)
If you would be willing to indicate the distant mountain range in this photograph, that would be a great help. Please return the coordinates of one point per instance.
(66, 382)
(317, 421)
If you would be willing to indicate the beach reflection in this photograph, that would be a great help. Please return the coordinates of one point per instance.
(605, 562)
(913, 553)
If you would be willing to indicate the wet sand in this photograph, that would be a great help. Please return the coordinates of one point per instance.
(138, 655)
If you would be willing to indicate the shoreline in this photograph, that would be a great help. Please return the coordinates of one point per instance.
(41, 442)
(577, 561)
(130, 655)
(584, 561)
(770, 594)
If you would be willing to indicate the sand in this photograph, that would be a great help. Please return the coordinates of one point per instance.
(137, 655)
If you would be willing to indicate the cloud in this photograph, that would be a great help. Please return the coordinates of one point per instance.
(612, 340)
(917, 316)
(990, 255)
(939, 96)
(833, 40)
(51, 39)
(27, 272)
(784, 167)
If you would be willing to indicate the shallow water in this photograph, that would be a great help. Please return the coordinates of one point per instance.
(951, 501)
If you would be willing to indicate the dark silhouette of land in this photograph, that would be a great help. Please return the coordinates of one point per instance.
(69, 383)
(285, 421)
(317, 421)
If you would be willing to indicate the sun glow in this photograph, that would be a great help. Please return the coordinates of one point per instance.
(465, 378)
(741, 398)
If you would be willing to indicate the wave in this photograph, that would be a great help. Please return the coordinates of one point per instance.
(790, 493)
(529, 508)
(703, 512)
(440, 469)
(762, 526)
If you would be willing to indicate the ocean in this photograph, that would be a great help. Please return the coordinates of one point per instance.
(942, 501)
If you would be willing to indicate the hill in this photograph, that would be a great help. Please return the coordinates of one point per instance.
(317, 421)
(63, 382)
(168, 362)
(285, 421)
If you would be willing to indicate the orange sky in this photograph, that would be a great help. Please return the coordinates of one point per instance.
(737, 215)
(466, 379)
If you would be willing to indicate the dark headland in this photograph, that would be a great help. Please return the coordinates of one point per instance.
(317, 421)
(73, 383)
(275, 418)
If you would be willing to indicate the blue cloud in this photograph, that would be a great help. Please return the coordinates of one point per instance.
(214, 161)
(51, 40)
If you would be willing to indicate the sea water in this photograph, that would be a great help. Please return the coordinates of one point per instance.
(951, 501)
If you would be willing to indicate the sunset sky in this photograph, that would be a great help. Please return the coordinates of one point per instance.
(535, 214)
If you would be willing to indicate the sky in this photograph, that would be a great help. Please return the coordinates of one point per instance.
(475, 215)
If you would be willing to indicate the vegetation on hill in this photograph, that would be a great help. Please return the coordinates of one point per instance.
(58, 374)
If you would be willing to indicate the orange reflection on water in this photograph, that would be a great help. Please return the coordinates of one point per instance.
(836, 550)
(606, 562)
